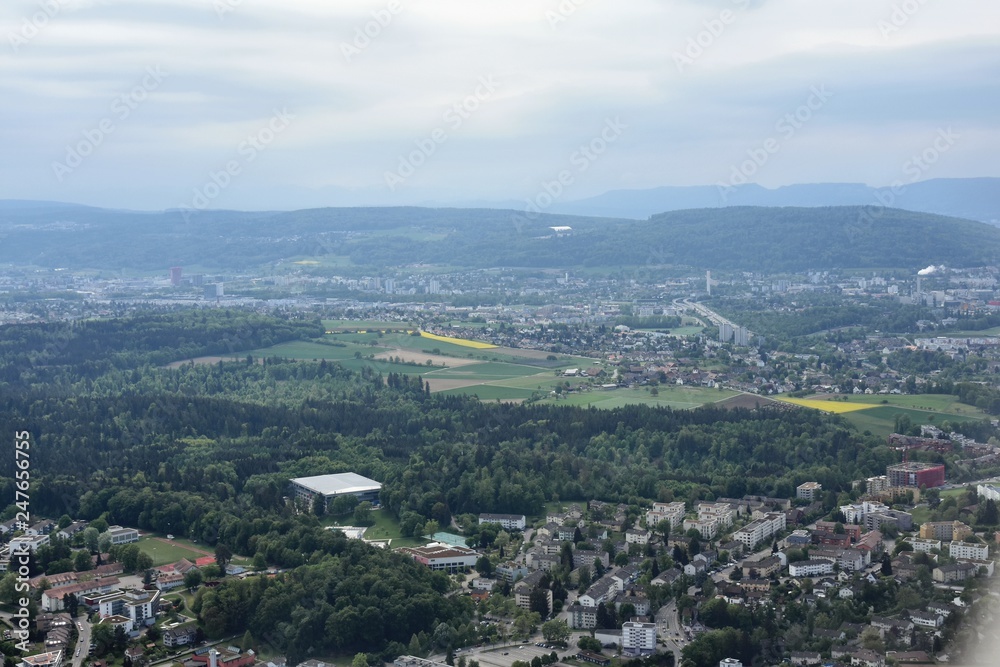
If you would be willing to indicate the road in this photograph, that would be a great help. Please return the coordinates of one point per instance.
(708, 313)
(83, 643)
(668, 629)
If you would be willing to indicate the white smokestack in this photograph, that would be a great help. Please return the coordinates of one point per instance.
(213, 658)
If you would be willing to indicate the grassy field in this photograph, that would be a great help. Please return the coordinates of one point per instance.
(491, 392)
(354, 325)
(934, 402)
(164, 553)
(386, 528)
(881, 420)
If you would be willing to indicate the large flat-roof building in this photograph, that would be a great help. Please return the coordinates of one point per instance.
(331, 486)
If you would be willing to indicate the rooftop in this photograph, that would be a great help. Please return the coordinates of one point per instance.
(332, 485)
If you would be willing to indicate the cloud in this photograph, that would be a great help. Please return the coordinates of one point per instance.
(558, 83)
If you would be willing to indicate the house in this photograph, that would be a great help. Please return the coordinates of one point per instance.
(667, 577)
(867, 658)
(69, 531)
(695, 567)
(180, 636)
(43, 527)
(637, 536)
(954, 572)
(805, 658)
(166, 582)
(588, 557)
(927, 619)
(600, 591)
(50, 659)
(761, 568)
(594, 658)
(624, 576)
(483, 584)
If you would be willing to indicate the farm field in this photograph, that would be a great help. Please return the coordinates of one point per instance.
(166, 551)
(934, 402)
(881, 420)
(835, 407)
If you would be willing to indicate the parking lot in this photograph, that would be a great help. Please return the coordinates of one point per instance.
(496, 657)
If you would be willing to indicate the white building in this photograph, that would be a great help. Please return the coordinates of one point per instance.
(438, 556)
(121, 535)
(138, 606)
(721, 513)
(27, 543)
(730, 662)
(508, 521)
(638, 638)
(759, 530)
(923, 546)
(674, 512)
(705, 527)
(989, 492)
(331, 486)
(810, 568)
(808, 490)
(968, 550)
(50, 659)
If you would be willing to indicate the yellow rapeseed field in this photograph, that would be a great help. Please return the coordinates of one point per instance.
(464, 342)
(836, 407)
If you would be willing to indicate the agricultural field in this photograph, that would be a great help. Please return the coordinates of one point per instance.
(878, 413)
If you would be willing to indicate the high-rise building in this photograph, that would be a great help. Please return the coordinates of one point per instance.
(915, 474)
(726, 332)
(176, 273)
(638, 638)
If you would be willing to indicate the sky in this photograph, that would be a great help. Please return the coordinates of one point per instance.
(247, 104)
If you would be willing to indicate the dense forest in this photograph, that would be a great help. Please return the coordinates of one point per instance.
(206, 451)
(733, 238)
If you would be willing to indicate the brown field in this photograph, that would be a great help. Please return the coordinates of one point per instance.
(751, 401)
(445, 384)
(421, 358)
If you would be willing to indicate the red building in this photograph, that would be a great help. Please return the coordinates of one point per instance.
(915, 474)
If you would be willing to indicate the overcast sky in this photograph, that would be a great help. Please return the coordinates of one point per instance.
(249, 104)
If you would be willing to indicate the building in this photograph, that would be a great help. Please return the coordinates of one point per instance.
(705, 527)
(582, 618)
(176, 273)
(121, 535)
(180, 636)
(50, 659)
(810, 568)
(761, 568)
(507, 521)
(638, 638)
(721, 513)
(759, 530)
(730, 662)
(413, 661)
(27, 543)
(674, 512)
(989, 492)
(968, 550)
(945, 531)
(510, 571)
(875, 485)
(954, 572)
(138, 607)
(915, 474)
(524, 589)
(921, 545)
(808, 490)
(438, 556)
(637, 536)
(330, 486)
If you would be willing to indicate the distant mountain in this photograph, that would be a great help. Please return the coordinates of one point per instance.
(970, 198)
(737, 238)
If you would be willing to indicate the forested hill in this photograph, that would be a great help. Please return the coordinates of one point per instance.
(738, 238)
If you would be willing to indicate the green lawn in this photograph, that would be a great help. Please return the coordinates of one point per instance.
(164, 553)
(934, 402)
(882, 420)
(386, 527)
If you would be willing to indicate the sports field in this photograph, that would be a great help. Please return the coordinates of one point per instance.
(166, 551)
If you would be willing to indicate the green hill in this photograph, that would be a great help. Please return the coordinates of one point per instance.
(738, 238)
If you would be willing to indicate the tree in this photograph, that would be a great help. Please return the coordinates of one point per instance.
(886, 565)
(538, 602)
(361, 660)
(484, 565)
(555, 631)
(192, 578)
(104, 542)
(589, 644)
(81, 561)
(90, 539)
(319, 504)
(987, 514)
(247, 642)
(431, 527)
(222, 556)
(363, 514)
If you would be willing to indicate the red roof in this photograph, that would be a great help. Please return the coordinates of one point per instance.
(205, 560)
